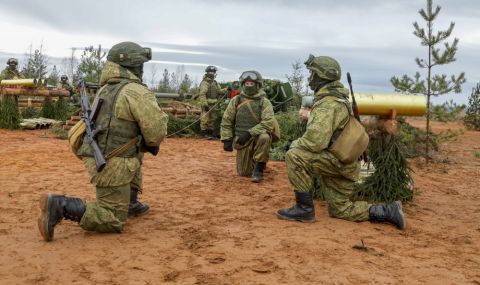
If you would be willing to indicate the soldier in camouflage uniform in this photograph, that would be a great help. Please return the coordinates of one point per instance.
(74, 97)
(208, 96)
(131, 121)
(247, 125)
(309, 156)
(11, 71)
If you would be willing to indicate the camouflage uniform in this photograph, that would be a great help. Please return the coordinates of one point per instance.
(130, 119)
(252, 114)
(137, 112)
(309, 157)
(11, 71)
(209, 93)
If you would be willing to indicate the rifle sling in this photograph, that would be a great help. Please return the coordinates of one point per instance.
(122, 149)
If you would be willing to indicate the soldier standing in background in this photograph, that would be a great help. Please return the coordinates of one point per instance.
(131, 122)
(11, 71)
(310, 156)
(209, 93)
(247, 125)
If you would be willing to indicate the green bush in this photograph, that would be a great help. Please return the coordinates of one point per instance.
(183, 127)
(472, 116)
(30, 112)
(48, 109)
(290, 130)
(9, 113)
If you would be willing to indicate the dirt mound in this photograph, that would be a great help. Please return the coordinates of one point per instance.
(208, 226)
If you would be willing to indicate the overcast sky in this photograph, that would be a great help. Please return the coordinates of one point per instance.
(372, 39)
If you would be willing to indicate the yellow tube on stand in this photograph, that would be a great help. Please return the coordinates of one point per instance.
(20, 82)
(385, 104)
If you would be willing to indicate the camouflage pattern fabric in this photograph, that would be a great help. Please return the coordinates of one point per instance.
(207, 121)
(134, 103)
(255, 150)
(9, 73)
(264, 127)
(309, 156)
(258, 147)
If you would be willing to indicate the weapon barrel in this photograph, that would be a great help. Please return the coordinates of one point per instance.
(167, 95)
(19, 82)
(383, 104)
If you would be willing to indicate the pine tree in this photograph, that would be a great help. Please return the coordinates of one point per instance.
(472, 117)
(54, 76)
(164, 84)
(91, 63)
(436, 84)
(36, 64)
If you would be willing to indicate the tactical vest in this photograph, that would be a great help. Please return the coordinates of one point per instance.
(115, 133)
(249, 113)
(212, 92)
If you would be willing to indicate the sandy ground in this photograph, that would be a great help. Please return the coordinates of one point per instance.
(208, 226)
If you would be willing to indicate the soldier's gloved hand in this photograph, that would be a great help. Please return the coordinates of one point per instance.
(151, 149)
(227, 145)
(206, 108)
(244, 138)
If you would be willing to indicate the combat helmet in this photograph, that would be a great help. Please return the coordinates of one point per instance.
(252, 75)
(12, 61)
(324, 67)
(129, 54)
(211, 68)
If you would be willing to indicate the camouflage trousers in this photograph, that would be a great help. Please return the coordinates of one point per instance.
(108, 213)
(208, 119)
(255, 150)
(338, 179)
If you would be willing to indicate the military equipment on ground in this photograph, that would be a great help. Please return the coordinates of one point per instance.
(31, 83)
(89, 116)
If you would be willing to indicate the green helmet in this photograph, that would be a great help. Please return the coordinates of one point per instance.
(324, 67)
(211, 68)
(129, 54)
(252, 75)
(12, 61)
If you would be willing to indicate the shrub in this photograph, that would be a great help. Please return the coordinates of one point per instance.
(9, 113)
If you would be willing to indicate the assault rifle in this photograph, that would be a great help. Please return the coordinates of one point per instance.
(355, 110)
(89, 116)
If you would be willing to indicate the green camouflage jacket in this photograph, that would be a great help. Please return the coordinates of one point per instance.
(203, 89)
(228, 119)
(135, 102)
(8, 73)
(326, 116)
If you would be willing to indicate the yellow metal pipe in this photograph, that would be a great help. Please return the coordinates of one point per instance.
(384, 104)
(19, 82)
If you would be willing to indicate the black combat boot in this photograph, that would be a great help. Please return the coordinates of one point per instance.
(54, 208)
(302, 211)
(388, 213)
(136, 208)
(257, 174)
(210, 134)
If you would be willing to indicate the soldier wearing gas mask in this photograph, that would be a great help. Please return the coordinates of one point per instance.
(247, 125)
(11, 71)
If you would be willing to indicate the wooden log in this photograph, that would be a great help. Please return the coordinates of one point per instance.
(35, 92)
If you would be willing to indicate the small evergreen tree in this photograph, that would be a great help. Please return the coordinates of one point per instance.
(36, 64)
(472, 117)
(91, 63)
(435, 84)
(164, 84)
(54, 76)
